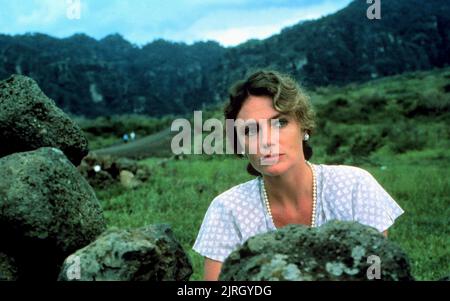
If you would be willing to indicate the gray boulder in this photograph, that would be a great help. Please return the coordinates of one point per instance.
(146, 254)
(8, 268)
(47, 211)
(30, 120)
(334, 251)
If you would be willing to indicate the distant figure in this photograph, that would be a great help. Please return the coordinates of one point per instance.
(133, 136)
(125, 138)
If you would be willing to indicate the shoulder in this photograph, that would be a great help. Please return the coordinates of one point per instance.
(352, 193)
(343, 170)
(345, 174)
(238, 194)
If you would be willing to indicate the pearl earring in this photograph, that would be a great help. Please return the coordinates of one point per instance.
(306, 137)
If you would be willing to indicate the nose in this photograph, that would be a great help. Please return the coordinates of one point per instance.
(269, 137)
(264, 139)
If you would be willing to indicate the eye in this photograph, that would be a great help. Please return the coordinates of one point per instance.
(280, 123)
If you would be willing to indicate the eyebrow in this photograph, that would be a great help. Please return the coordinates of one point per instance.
(276, 116)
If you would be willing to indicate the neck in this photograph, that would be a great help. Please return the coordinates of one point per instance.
(292, 186)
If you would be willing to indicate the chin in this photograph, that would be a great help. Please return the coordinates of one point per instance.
(273, 170)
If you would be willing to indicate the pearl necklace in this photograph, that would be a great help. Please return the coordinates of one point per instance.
(313, 217)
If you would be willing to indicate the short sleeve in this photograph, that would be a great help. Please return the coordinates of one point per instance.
(373, 206)
(219, 234)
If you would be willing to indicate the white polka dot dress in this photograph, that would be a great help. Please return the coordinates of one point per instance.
(343, 193)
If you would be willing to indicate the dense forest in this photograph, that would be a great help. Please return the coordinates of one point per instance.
(89, 77)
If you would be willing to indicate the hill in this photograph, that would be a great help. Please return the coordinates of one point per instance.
(92, 78)
(356, 123)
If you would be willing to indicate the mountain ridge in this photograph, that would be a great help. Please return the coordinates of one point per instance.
(92, 77)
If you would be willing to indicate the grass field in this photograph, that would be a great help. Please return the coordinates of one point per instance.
(180, 192)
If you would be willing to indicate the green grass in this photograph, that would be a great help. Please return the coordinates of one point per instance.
(423, 191)
(177, 194)
(101, 142)
(180, 191)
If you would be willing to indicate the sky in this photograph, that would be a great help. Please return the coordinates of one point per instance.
(229, 22)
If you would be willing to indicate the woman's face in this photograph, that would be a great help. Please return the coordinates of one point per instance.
(273, 141)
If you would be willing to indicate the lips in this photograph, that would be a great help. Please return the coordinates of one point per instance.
(272, 156)
(270, 159)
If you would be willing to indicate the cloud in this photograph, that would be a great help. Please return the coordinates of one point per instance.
(45, 12)
(229, 22)
(231, 27)
(237, 35)
(47, 16)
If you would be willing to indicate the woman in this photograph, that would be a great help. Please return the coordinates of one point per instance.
(288, 189)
